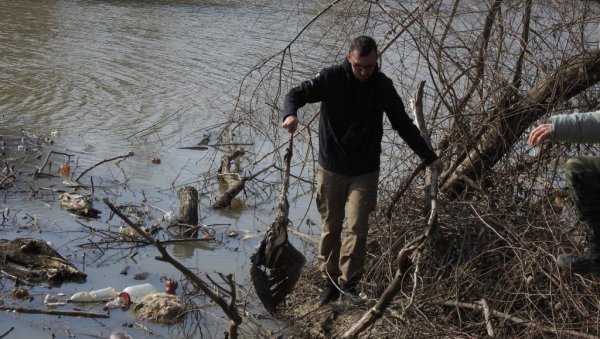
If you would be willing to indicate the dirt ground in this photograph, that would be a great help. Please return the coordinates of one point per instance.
(328, 321)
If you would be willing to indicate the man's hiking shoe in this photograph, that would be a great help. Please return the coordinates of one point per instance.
(329, 293)
(582, 264)
(351, 296)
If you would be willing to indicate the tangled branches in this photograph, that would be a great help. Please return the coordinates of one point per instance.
(490, 271)
(490, 74)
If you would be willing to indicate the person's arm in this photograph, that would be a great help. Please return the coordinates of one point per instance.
(309, 91)
(576, 127)
(408, 131)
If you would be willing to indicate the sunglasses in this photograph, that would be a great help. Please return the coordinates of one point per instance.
(360, 67)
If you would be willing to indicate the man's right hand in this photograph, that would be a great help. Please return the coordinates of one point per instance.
(540, 134)
(290, 123)
(437, 165)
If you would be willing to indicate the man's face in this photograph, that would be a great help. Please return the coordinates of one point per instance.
(362, 66)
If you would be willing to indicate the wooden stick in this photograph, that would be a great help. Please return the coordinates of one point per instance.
(7, 332)
(310, 239)
(54, 312)
(486, 315)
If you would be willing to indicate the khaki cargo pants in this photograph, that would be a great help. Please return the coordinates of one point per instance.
(344, 203)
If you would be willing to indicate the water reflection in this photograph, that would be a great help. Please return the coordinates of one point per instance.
(186, 250)
(121, 76)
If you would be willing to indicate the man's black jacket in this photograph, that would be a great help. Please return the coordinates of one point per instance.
(351, 119)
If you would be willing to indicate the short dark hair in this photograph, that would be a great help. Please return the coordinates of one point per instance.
(364, 45)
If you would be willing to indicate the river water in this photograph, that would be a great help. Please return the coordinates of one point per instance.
(118, 76)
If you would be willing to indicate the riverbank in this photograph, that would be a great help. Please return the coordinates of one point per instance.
(488, 272)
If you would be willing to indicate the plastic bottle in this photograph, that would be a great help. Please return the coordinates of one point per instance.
(132, 294)
(65, 169)
(50, 298)
(107, 293)
(117, 302)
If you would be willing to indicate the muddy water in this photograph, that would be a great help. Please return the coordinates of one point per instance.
(118, 76)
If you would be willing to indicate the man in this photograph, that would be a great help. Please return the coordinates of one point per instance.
(353, 96)
(583, 180)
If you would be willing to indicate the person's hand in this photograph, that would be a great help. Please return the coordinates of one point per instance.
(437, 165)
(290, 123)
(540, 134)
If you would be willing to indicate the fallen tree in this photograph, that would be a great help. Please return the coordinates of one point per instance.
(509, 123)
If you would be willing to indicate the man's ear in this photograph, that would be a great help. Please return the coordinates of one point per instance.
(348, 56)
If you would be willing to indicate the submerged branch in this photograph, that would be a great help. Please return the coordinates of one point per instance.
(130, 154)
(54, 312)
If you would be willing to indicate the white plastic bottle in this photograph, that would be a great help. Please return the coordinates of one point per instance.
(137, 292)
(117, 302)
(107, 293)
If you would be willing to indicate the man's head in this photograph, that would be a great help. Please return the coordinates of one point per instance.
(363, 57)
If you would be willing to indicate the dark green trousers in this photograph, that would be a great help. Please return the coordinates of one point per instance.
(583, 179)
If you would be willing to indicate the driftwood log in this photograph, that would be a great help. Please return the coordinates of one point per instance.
(188, 211)
(34, 261)
(232, 183)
